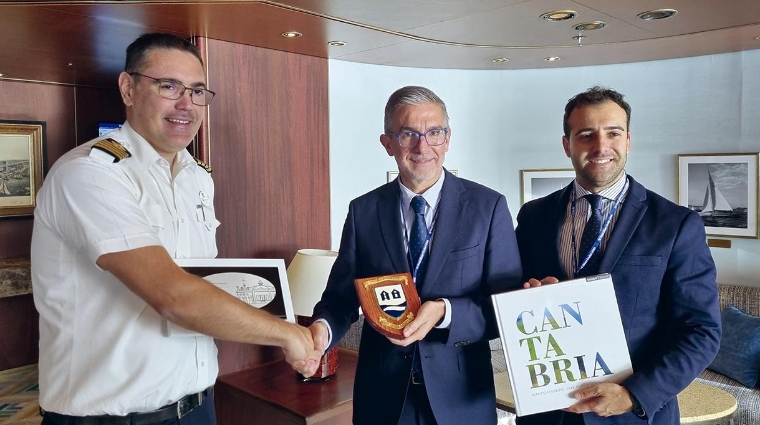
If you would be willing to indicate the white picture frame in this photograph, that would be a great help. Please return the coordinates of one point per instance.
(723, 189)
(263, 283)
(537, 183)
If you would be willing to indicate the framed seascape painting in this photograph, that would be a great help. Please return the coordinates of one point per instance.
(536, 184)
(723, 189)
(21, 165)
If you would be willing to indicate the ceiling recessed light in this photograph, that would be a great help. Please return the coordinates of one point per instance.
(291, 34)
(552, 58)
(500, 60)
(590, 26)
(558, 15)
(652, 15)
(2, 75)
(69, 64)
(336, 43)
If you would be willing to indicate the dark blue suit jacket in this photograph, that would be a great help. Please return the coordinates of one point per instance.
(473, 254)
(664, 279)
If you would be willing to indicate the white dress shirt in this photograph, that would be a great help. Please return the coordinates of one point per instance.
(432, 198)
(582, 213)
(102, 348)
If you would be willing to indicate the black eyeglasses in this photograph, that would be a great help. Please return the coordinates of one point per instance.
(170, 89)
(410, 138)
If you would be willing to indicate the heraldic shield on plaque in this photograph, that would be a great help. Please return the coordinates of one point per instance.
(389, 302)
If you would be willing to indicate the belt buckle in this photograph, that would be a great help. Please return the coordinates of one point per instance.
(180, 414)
(179, 409)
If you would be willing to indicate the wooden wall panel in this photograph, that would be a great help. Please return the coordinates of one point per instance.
(68, 112)
(94, 105)
(20, 332)
(53, 104)
(269, 141)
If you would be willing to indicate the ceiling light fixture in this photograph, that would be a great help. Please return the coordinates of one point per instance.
(590, 26)
(336, 43)
(558, 15)
(552, 58)
(291, 34)
(2, 75)
(579, 38)
(500, 60)
(757, 38)
(652, 15)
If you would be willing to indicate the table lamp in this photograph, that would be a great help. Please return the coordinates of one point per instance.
(307, 277)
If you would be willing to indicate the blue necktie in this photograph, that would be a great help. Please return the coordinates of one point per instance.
(418, 237)
(590, 233)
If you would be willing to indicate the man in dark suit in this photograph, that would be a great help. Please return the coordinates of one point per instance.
(440, 372)
(662, 270)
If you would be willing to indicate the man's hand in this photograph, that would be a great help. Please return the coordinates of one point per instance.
(532, 283)
(605, 399)
(321, 336)
(429, 315)
(300, 351)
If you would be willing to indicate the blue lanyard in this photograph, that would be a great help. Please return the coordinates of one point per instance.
(598, 242)
(416, 268)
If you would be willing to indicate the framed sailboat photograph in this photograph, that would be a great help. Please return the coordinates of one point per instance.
(723, 189)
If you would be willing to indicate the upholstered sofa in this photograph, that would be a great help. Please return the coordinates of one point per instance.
(745, 298)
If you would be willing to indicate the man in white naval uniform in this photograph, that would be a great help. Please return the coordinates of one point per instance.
(110, 217)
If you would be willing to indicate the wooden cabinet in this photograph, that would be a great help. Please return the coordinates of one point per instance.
(272, 394)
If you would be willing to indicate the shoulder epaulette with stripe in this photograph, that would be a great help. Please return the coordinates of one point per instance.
(203, 165)
(113, 148)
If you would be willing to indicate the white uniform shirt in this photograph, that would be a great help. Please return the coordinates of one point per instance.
(103, 349)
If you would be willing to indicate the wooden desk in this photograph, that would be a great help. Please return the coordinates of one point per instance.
(272, 394)
(700, 404)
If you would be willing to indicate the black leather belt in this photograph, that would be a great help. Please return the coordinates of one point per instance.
(170, 411)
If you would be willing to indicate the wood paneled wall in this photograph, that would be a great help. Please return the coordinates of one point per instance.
(71, 115)
(269, 139)
(269, 149)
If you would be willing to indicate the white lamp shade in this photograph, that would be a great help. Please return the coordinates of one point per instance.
(307, 276)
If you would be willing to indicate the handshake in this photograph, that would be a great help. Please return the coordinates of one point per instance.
(304, 347)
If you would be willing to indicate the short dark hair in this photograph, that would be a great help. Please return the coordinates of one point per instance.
(139, 49)
(594, 96)
(411, 95)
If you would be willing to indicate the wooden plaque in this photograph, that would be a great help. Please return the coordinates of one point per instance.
(389, 302)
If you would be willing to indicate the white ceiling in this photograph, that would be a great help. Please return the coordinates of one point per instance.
(39, 39)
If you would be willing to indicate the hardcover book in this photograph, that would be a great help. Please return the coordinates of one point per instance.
(559, 338)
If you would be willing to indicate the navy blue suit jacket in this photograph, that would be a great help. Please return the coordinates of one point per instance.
(664, 279)
(473, 254)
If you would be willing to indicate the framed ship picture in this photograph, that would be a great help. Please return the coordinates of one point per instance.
(723, 189)
(260, 283)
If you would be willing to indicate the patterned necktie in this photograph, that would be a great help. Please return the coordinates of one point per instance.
(418, 237)
(590, 233)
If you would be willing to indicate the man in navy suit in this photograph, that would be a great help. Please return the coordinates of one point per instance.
(662, 270)
(440, 372)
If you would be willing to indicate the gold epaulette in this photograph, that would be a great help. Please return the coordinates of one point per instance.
(203, 165)
(113, 148)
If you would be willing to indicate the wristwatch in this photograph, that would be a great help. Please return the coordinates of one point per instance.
(637, 409)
